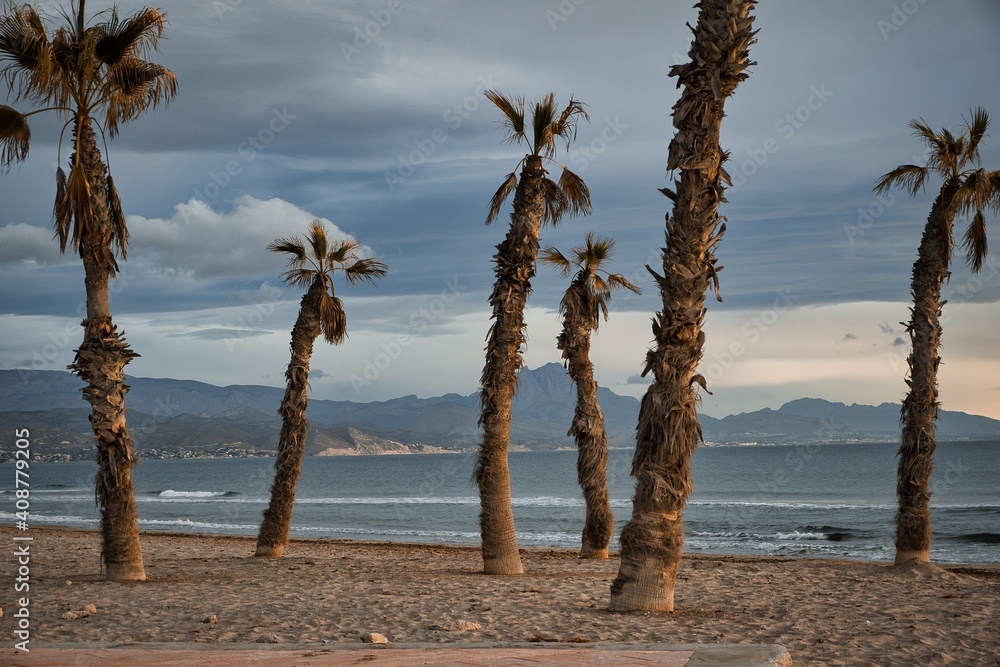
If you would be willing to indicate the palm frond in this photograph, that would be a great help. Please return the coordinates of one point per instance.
(26, 47)
(975, 192)
(15, 137)
(342, 252)
(60, 222)
(975, 242)
(555, 201)
(316, 238)
(500, 196)
(299, 277)
(594, 251)
(543, 116)
(566, 125)
(513, 114)
(366, 270)
(573, 304)
(136, 35)
(132, 87)
(332, 319)
(909, 177)
(618, 281)
(978, 124)
(292, 246)
(994, 203)
(577, 193)
(551, 256)
(119, 228)
(73, 210)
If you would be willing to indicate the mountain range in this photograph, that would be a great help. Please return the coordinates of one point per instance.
(182, 417)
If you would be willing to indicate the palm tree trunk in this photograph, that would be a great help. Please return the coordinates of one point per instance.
(668, 430)
(515, 267)
(591, 440)
(274, 529)
(100, 362)
(920, 407)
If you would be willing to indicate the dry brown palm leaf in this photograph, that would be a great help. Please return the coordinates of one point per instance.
(15, 136)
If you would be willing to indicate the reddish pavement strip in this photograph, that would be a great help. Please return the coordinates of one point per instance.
(167, 655)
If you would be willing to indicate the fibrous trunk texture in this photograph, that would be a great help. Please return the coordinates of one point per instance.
(515, 267)
(668, 431)
(588, 429)
(920, 407)
(100, 362)
(274, 529)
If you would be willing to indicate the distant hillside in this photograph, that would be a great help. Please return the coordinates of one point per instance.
(171, 416)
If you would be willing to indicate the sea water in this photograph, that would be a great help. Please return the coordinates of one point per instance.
(834, 501)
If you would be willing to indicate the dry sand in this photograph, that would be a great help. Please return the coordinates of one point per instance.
(825, 612)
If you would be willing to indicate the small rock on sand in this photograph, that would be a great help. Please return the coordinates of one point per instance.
(269, 638)
(82, 613)
(210, 619)
(374, 638)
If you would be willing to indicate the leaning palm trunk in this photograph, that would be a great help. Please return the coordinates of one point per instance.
(515, 267)
(920, 407)
(273, 535)
(100, 362)
(591, 440)
(668, 430)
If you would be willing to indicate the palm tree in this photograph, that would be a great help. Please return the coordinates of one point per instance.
(582, 306)
(95, 74)
(966, 188)
(313, 262)
(537, 201)
(668, 430)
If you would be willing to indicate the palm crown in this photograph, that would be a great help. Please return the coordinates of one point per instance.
(589, 294)
(91, 70)
(316, 258)
(548, 124)
(955, 157)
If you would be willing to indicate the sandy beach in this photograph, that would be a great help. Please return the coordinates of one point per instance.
(208, 589)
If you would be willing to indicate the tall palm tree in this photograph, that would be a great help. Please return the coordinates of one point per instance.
(95, 74)
(668, 430)
(966, 189)
(582, 306)
(313, 262)
(537, 200)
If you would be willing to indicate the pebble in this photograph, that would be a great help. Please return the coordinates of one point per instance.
(83, 613)
(269, 638)
(374, 638)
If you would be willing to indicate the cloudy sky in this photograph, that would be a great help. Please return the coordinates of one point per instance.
(371, 117)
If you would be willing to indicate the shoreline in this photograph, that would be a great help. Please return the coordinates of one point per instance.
(824, 611)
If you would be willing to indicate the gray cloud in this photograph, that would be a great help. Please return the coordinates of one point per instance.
(219, 334)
